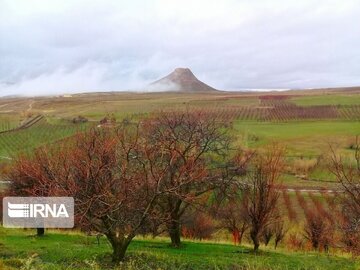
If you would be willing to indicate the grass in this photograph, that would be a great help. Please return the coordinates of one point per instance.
(8, 122)
(306, 138)
(62, 250)
(41, 133)
(295, 129)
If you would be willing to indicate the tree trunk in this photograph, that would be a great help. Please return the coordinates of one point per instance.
(119, 250)
(276, 243)
(236, 236)
(174, 233)
(255, 238)
(119, 245)
(241, 234)
(256, 244)
(315, 244)
(40, 231)
(173, 225)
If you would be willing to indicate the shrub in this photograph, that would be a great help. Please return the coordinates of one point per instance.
(279, 232)
(267, 234)
(304, 166)
(198, 226)
(318, 231)
(295, 242)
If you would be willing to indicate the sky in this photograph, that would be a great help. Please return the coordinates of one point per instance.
(67, 46)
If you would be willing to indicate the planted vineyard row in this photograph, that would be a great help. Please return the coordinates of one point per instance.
(289, 206)
(232, 113)
(319, 207)
(41, 133)
(299, 205)
(274, 100)
(349, 112)
(285, 112)
(6, 125)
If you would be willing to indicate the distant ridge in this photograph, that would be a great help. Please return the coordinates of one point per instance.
(181, 80)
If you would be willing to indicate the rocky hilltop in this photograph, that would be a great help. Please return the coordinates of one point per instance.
(182, 80)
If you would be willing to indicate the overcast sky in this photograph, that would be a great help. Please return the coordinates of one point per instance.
(57, 46)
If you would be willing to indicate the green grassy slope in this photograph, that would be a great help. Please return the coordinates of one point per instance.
(301, 137)
(41, 133)
(75, 251)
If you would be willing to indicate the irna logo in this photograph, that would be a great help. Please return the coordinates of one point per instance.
(34, 210)
(38, 212)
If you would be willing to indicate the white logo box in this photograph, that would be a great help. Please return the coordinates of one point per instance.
(38, 212)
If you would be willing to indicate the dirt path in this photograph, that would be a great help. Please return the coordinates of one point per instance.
(3, 157)
(314, 190)
(30, 105)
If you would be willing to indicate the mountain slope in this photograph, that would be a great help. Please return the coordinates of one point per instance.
(181, 80)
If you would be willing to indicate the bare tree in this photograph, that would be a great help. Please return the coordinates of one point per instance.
(261, 195)
(113, 190)
(347, 172)
(103, 170)
(276, 230)
(279, 231)
(181, 152)
(318, 230)
(267, 235)
(230, 215)
(197, 225)
(36, 175)
(227, 206)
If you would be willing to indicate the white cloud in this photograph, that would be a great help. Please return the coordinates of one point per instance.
(48, 47)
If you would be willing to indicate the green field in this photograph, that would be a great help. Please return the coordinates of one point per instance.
(42, 133)
(60, 250)
(300, 137)
(308, 138)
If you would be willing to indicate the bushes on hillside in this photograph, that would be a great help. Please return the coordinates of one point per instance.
(197, 225)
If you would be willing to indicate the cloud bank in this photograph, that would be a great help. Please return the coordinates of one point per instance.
(50, 47)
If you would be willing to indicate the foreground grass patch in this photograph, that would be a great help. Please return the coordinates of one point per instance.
(60, 250)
